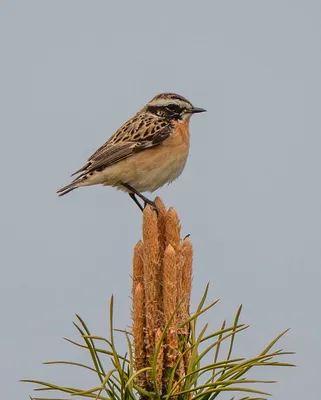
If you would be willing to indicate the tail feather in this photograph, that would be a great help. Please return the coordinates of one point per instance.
(66, 189)
(82, 169)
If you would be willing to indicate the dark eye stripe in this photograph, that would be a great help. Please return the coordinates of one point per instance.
(171, 111)
(174, 108)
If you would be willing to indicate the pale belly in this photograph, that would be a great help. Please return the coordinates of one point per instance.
(149, 170)
(156, 175)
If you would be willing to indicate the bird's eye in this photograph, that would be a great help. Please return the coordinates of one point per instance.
(173, 108)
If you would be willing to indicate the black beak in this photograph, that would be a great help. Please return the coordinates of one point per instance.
(196, 110)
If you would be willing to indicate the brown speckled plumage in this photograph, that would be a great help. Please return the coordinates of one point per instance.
(123, 160)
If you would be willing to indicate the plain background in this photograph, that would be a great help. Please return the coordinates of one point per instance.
(71, 73)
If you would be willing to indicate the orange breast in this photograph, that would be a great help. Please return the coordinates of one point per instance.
(181, 135)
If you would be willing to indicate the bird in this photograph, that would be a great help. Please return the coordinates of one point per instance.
(145, 153)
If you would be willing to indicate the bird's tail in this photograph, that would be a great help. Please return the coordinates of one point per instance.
(66, 189)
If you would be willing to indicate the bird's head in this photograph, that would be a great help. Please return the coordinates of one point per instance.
(172, 106)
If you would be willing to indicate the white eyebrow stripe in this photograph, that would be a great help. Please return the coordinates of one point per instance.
(167, 102)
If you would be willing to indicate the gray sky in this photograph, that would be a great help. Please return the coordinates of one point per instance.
(71, 73)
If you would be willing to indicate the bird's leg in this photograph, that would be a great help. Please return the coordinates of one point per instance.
(137, 193)
(133, 196)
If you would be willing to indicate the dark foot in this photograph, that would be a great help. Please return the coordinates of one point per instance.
(152, 204)
(134, 192)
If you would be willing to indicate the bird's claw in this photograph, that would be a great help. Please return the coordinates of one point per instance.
(152, 204)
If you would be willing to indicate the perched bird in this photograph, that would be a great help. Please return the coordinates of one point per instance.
(149, 150)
